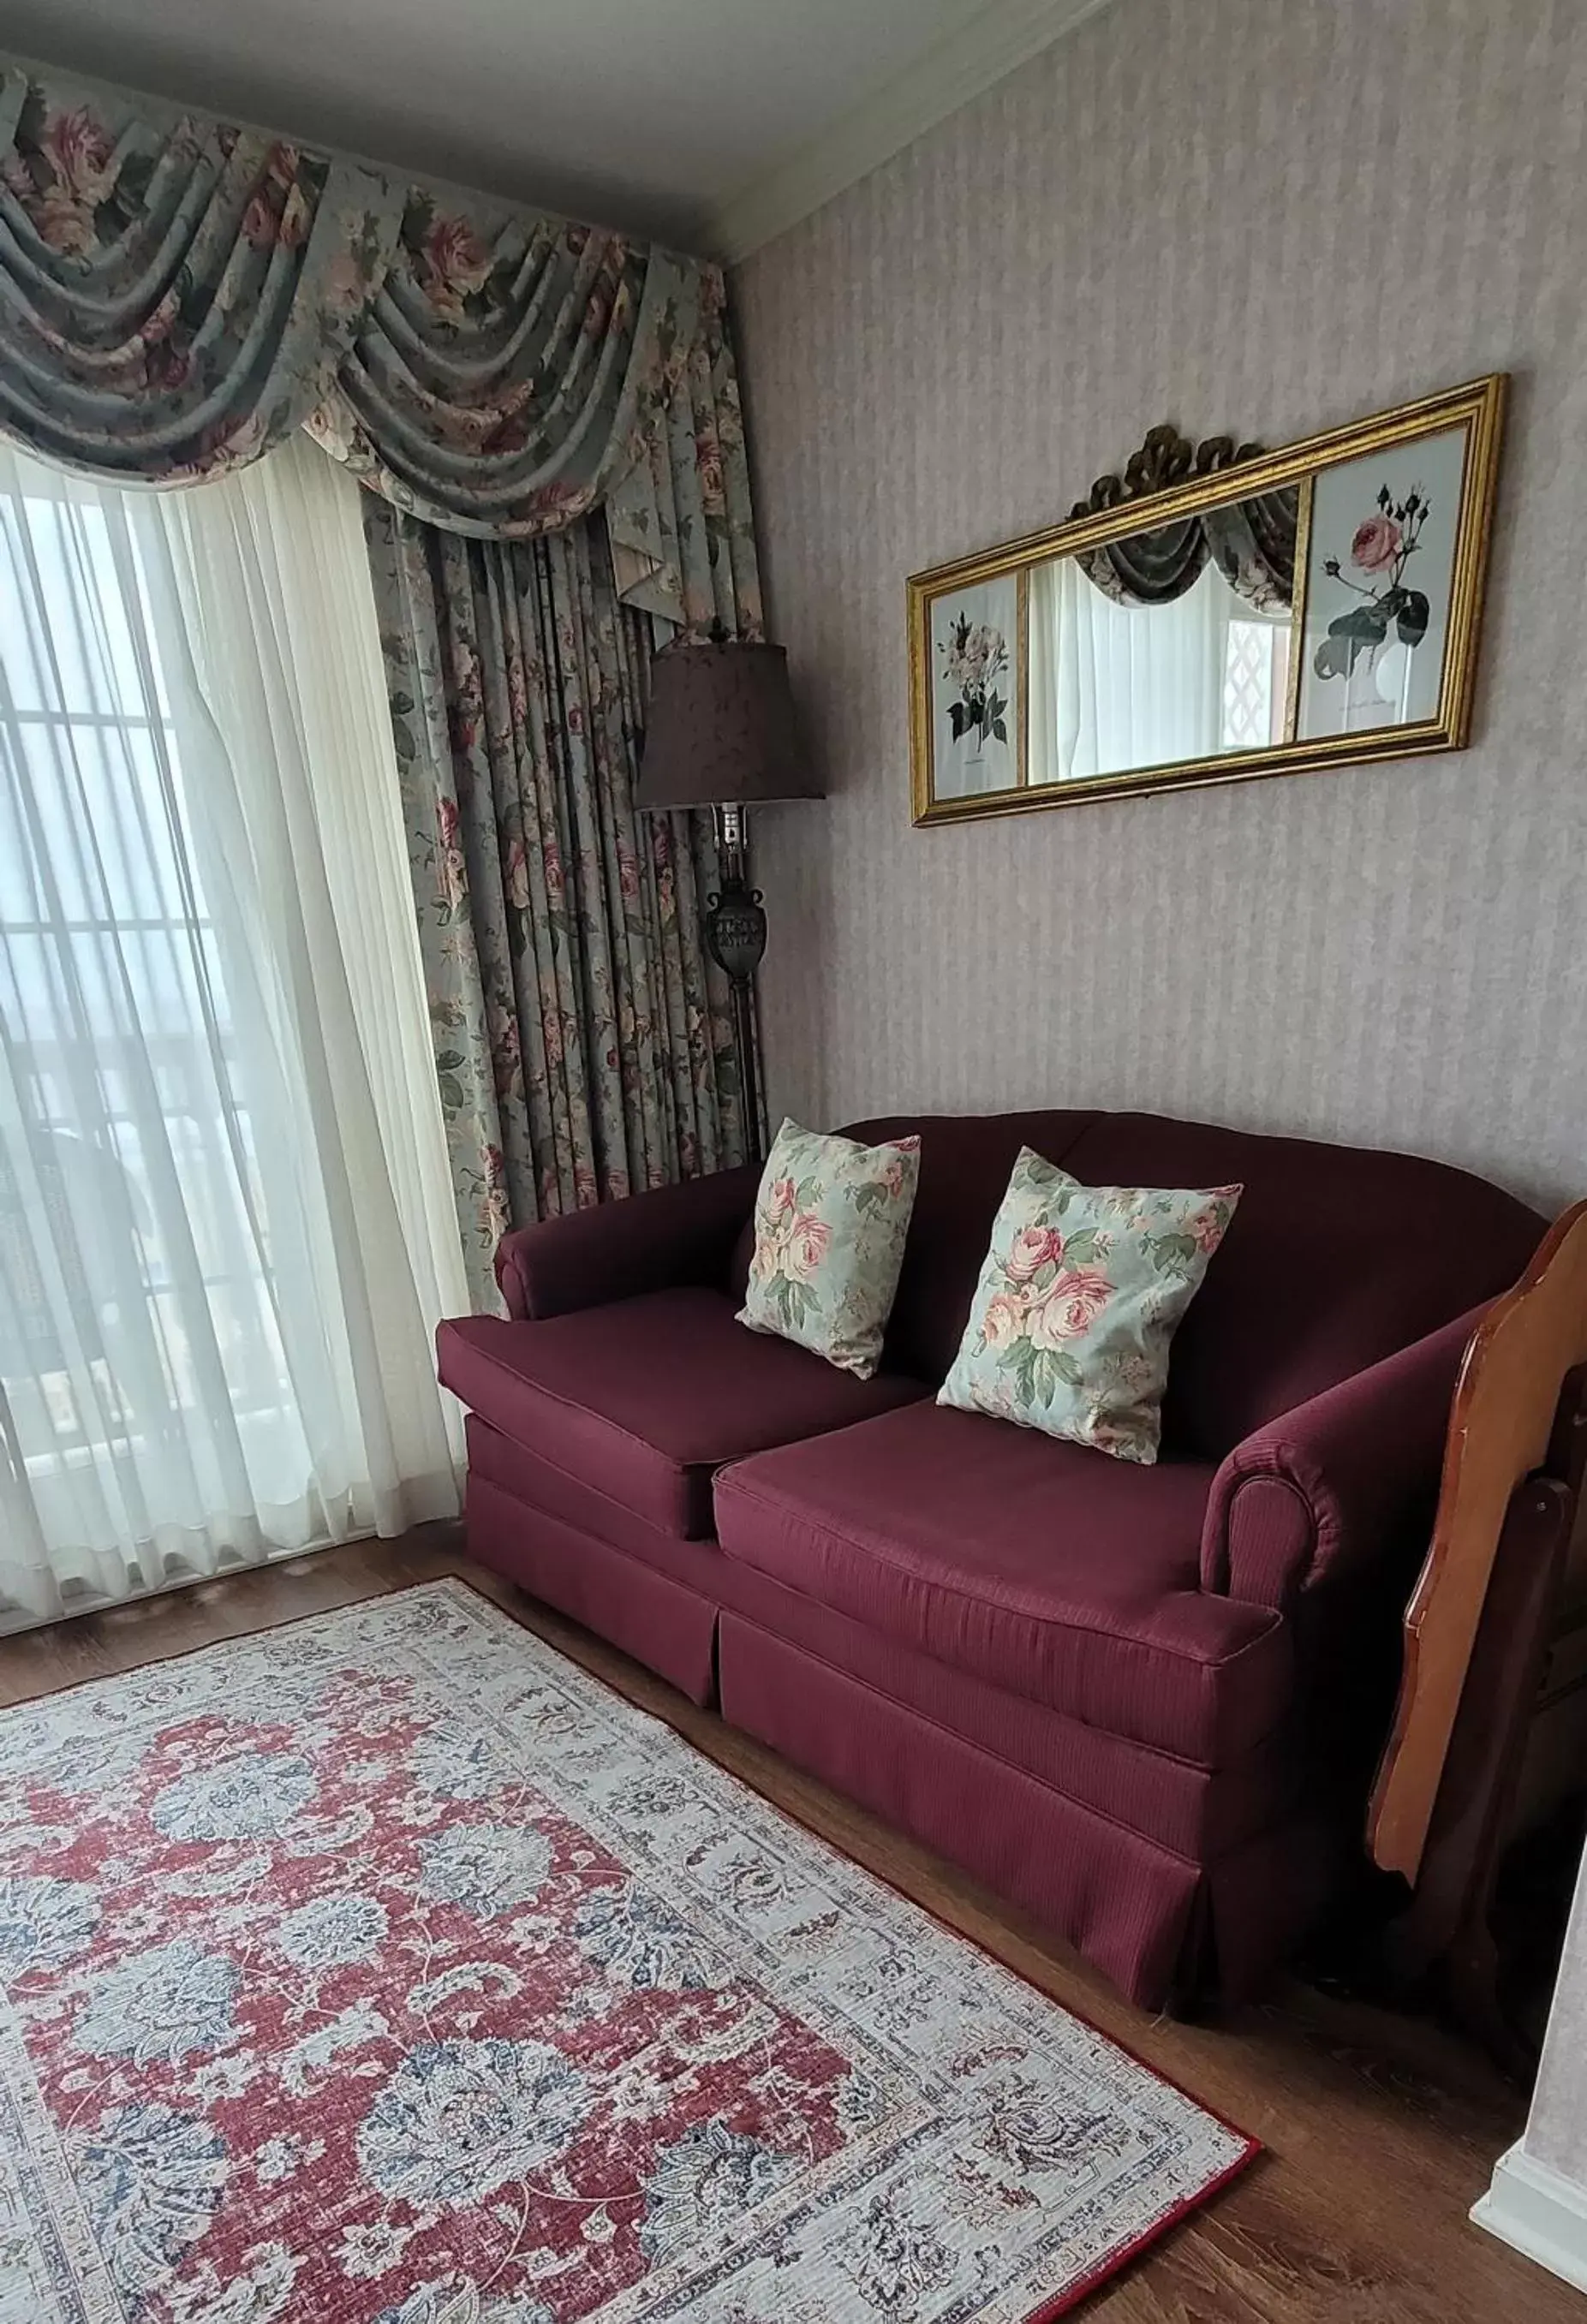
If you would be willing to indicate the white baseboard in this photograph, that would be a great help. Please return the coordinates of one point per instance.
(1534, 2210)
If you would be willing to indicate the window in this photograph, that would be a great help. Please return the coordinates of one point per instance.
(1255, 683)
(213, 1321)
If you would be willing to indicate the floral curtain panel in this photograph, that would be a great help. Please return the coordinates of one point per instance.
(177, 294)
(583, 1037)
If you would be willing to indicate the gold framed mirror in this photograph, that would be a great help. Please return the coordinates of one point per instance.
(1216, 613)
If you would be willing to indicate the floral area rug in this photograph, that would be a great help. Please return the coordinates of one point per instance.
(387, 1967)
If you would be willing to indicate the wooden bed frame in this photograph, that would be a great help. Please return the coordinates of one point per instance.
(1481, 1625)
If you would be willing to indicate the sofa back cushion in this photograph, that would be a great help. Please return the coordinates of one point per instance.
(1337, 1255)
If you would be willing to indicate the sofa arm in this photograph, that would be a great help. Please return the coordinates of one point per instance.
(1321, 1491)
(655, 1241)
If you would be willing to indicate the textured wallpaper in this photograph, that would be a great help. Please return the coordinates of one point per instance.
(1258, 216)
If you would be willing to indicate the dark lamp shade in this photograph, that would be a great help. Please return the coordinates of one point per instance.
(721, 728)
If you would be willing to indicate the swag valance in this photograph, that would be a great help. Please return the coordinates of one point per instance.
(177, 294)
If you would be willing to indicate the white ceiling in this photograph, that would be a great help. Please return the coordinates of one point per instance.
(650, 114)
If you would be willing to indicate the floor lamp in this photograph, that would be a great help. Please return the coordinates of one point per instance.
(720, 733)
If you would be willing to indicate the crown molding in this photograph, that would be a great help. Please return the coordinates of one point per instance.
(998, 37)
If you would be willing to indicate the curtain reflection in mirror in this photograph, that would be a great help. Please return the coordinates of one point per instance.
(1115, 685)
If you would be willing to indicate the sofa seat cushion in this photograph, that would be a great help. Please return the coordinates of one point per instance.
(1046, 1568)
(645, 1398)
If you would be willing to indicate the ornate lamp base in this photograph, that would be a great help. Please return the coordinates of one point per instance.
(735, 932)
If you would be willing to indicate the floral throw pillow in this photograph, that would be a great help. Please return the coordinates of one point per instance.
(1077, 1301)
(830, 1221)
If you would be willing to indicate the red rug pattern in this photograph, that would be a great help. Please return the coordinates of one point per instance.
(386, 1969)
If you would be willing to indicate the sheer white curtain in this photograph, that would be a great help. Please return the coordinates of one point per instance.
(1113, 688)
(225, 1226)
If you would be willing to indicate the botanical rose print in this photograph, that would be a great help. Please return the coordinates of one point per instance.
(166, 365)
(466, 696)
(452, 865)
(1077, 1300)
(1381, 547)
(1207, 1228)
(809, 1242)
(260, 223)
(63, 224)
(830, 1221)
(895, 1168)
(712, 472)
(516, 875)
(75, 163)
(1005, 1318)
(344, 283)
(561, 497)
(507, 1057)
(456, 264)
(277, 214)
(492, 1218)
(788, 1241)
(1032, 1249)
(83, 154)
(1375, 544)
(974, 655)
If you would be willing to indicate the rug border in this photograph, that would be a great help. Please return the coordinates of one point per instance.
(1063, 2304)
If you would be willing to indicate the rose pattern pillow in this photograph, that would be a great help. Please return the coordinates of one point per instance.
(830, 1221)
(1077, 1300)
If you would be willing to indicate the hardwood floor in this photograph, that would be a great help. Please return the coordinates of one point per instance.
(1381, 2130)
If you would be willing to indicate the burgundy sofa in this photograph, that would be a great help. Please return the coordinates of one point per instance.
(1142, 1702)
